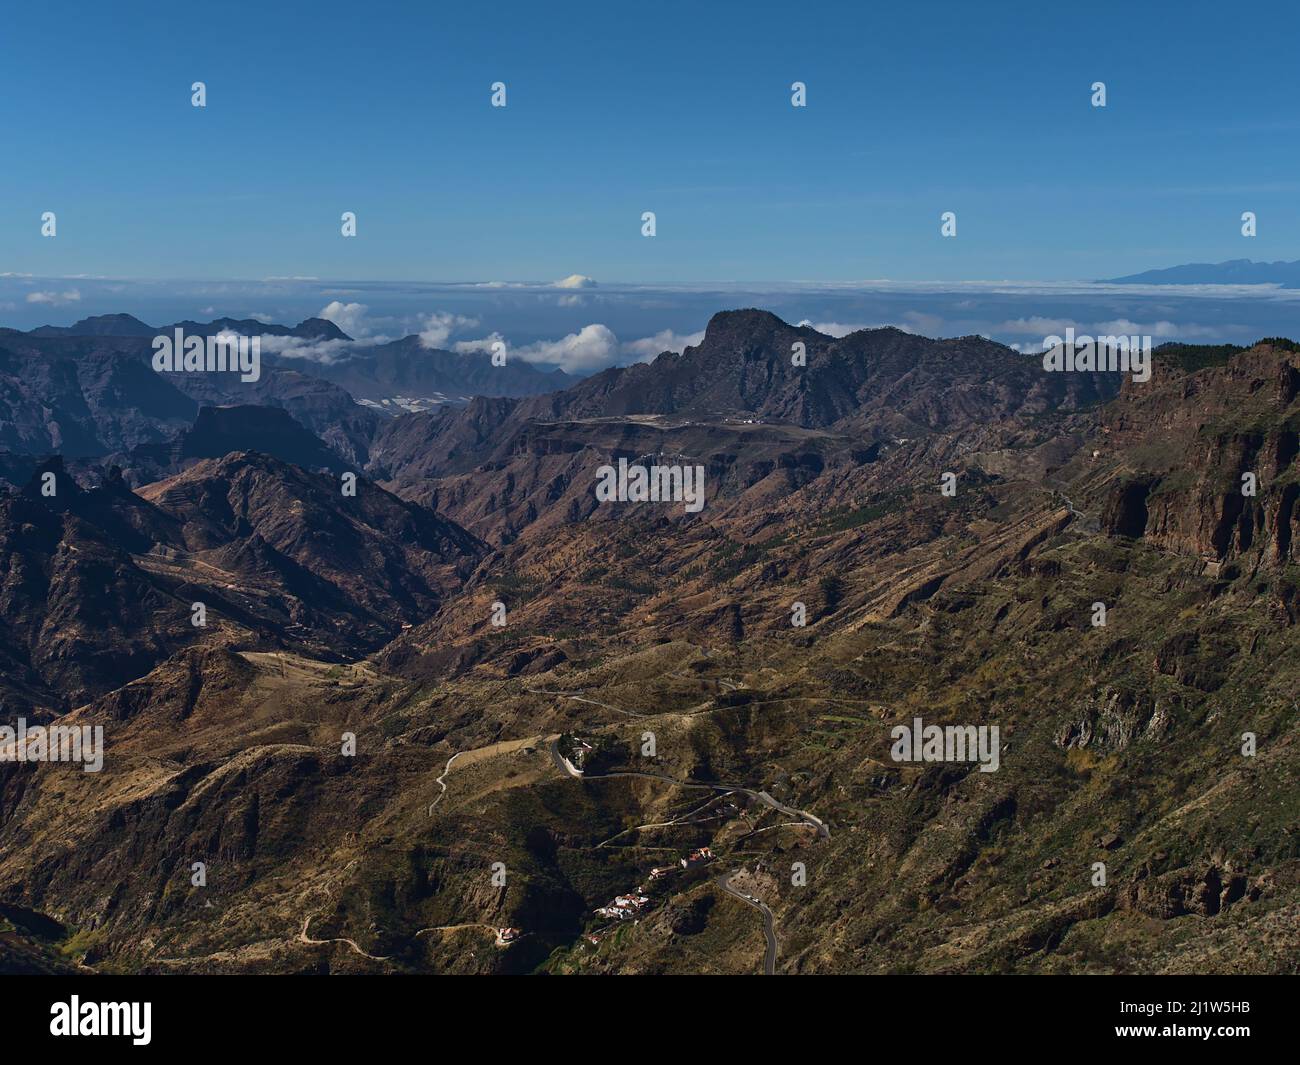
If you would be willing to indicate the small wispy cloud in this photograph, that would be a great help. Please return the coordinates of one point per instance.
(54, 298)
(833, 329)
(1035, 324)
(322, 351)
(466, 347)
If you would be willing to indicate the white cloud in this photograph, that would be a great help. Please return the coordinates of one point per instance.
(324, 351)
(647, 348)
(576, 281)
(350, 317)
(354, 319)
(1157, 330)
(466, 347)
(70, 296)
(593, 347)
(439, 326)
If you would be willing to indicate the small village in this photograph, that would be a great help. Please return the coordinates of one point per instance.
(624, 907)
(630, 907)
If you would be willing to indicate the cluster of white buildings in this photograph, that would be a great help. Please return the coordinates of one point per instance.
(628, 907)
(624, 907)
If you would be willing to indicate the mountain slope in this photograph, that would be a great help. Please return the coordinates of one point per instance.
(100, 583)
(1121, 746)
(734, 404)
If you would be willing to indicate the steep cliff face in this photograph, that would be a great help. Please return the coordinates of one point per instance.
(1206, 463)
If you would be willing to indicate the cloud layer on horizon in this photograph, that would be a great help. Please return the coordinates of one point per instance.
(581, 327)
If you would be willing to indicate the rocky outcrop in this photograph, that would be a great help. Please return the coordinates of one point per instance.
(1206, 891)
(1229, 437)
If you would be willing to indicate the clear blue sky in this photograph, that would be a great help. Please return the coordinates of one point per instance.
(618, 108)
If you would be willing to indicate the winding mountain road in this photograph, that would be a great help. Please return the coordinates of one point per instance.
(496, 932)
(304, 938)
(769, 922)
(590, 702)
(808, 819)
(682, 820)
(478, 754)
(442, 778)
(724, 882)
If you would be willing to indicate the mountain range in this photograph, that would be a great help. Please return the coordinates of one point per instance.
(447, 720)
(89, 390)
(1231, 272)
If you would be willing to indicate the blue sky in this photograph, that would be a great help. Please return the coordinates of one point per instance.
(614, 109)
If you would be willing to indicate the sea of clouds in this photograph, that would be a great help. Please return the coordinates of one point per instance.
(583, 326)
